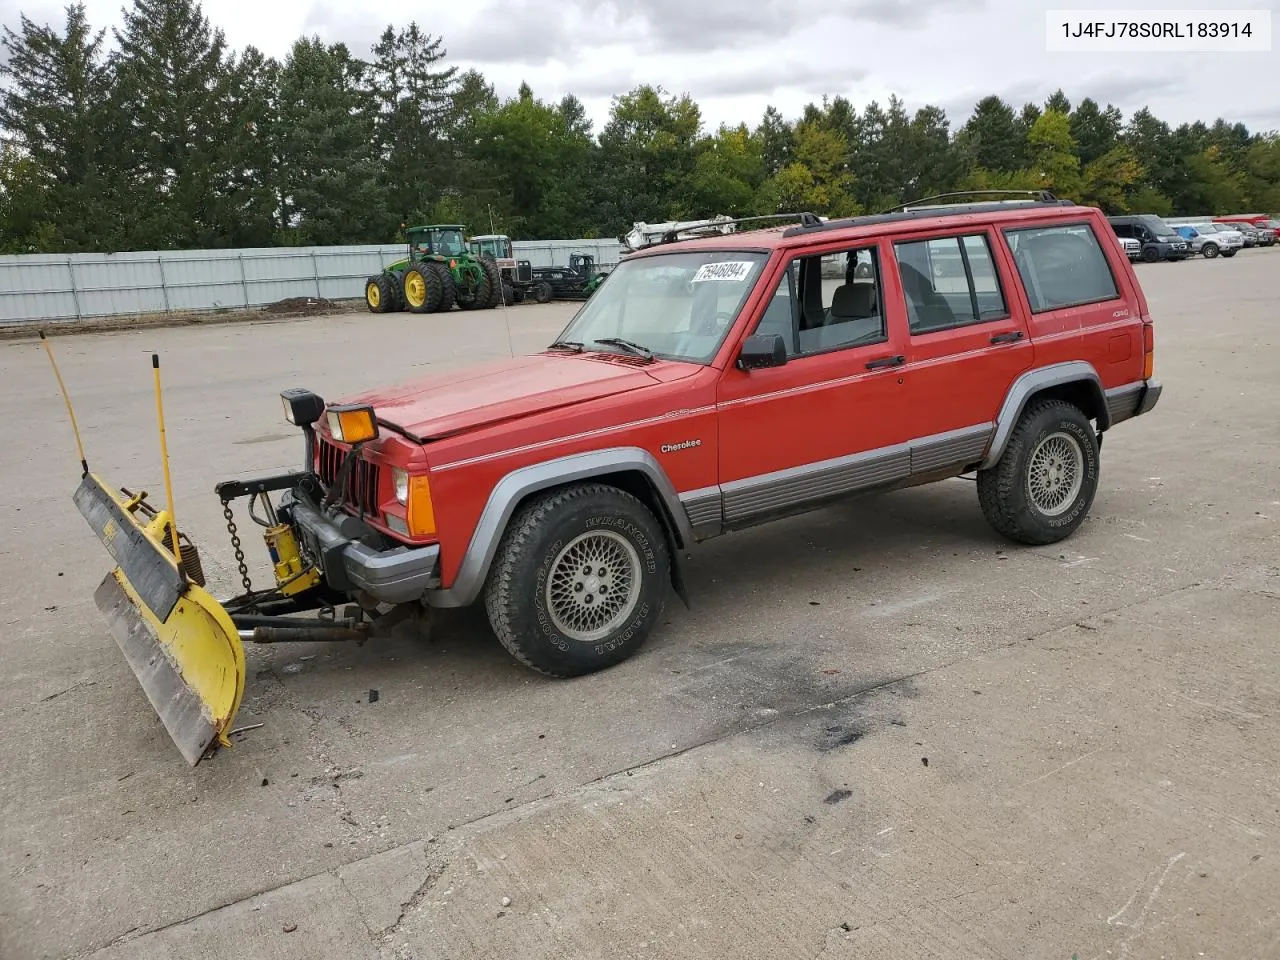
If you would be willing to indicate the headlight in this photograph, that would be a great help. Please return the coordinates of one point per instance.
(352, 424)
(301, 407)
(401, 478)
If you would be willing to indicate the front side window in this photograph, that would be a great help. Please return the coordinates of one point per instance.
(827, 302)
(677, 305)
(949, 282)
(1061, 267)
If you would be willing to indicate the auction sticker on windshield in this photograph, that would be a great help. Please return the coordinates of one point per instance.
(732, 270)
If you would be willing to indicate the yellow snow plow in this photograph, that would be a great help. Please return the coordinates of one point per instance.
(184, 646)
(180, 643)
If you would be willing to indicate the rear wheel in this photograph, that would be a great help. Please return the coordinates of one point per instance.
(494, 275)
(448, 289)
(480, 294)
(422, 289)
(1210, 250)
(580, 580)
(1040, 490)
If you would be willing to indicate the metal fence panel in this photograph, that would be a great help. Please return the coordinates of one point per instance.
(45, 287)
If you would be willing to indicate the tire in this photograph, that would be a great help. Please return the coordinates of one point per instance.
(543, 292)
(483, 295)
(1210, 250)
(380, 294)
(1049, 433)
(448, 288)
(535, 623)
(508, 293)
(422, 288)
(494, 275)
(1229, 253)
(1150, 254)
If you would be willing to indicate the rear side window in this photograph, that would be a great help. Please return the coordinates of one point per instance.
(1062, 266)
(949, 282)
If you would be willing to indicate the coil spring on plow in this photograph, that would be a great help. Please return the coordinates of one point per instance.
(190, 563)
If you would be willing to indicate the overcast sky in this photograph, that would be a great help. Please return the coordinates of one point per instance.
(737, 56)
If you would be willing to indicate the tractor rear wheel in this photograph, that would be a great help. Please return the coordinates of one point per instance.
(483, 294)
(422, 288)
(490, 267)
(380, 294)
(448, 288)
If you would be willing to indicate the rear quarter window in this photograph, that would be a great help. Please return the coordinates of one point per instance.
(1061, 266)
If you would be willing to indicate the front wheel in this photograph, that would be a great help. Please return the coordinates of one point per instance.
(380, 294)
(1210, 250)
(1041, 489)
(1229, 253)
(580, 580)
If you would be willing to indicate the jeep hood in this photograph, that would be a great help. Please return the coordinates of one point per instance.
(444, 404)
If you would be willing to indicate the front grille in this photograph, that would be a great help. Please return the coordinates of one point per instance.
(362, 479)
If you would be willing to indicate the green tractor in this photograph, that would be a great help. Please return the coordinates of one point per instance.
(439, 272)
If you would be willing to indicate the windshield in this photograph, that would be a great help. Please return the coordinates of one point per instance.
(678, 306)
(491, 248)
(448, 243)
(1157, 226)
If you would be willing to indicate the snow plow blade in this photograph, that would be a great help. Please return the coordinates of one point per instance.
(179, 641)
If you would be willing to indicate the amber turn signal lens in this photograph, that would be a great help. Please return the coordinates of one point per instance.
(1148, 351)
(352, 424)
(421, 514)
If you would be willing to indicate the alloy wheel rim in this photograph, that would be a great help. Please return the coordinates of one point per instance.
(1055, 474)
(593, 586)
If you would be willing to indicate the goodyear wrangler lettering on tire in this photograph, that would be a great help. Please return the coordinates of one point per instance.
(651, 562)
(581, 579)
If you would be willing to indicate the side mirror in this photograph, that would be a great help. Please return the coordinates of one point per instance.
(762, 350)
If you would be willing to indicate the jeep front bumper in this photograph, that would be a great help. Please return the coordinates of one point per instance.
(399, 575)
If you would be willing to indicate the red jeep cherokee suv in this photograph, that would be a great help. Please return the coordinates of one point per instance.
(720, 382)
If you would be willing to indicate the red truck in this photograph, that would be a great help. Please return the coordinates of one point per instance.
(711, 385)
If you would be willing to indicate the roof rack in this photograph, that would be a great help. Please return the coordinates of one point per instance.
(691, 230)
(1041, 196)
(915, 210)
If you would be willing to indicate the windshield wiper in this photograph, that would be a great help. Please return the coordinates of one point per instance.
(573, 345)
(630, 346)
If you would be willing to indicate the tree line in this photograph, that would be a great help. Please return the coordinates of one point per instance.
(168, 139)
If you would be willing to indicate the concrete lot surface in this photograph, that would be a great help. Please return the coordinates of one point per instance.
(880, 731)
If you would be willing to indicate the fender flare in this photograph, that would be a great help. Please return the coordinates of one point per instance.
(1032, 382)
(518, 484)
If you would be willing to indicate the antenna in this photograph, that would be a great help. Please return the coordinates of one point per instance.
(66, 398)
(164, 459)
(502, 298)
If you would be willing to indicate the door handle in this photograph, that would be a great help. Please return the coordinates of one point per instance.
(1007, 337)
(886, 362)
